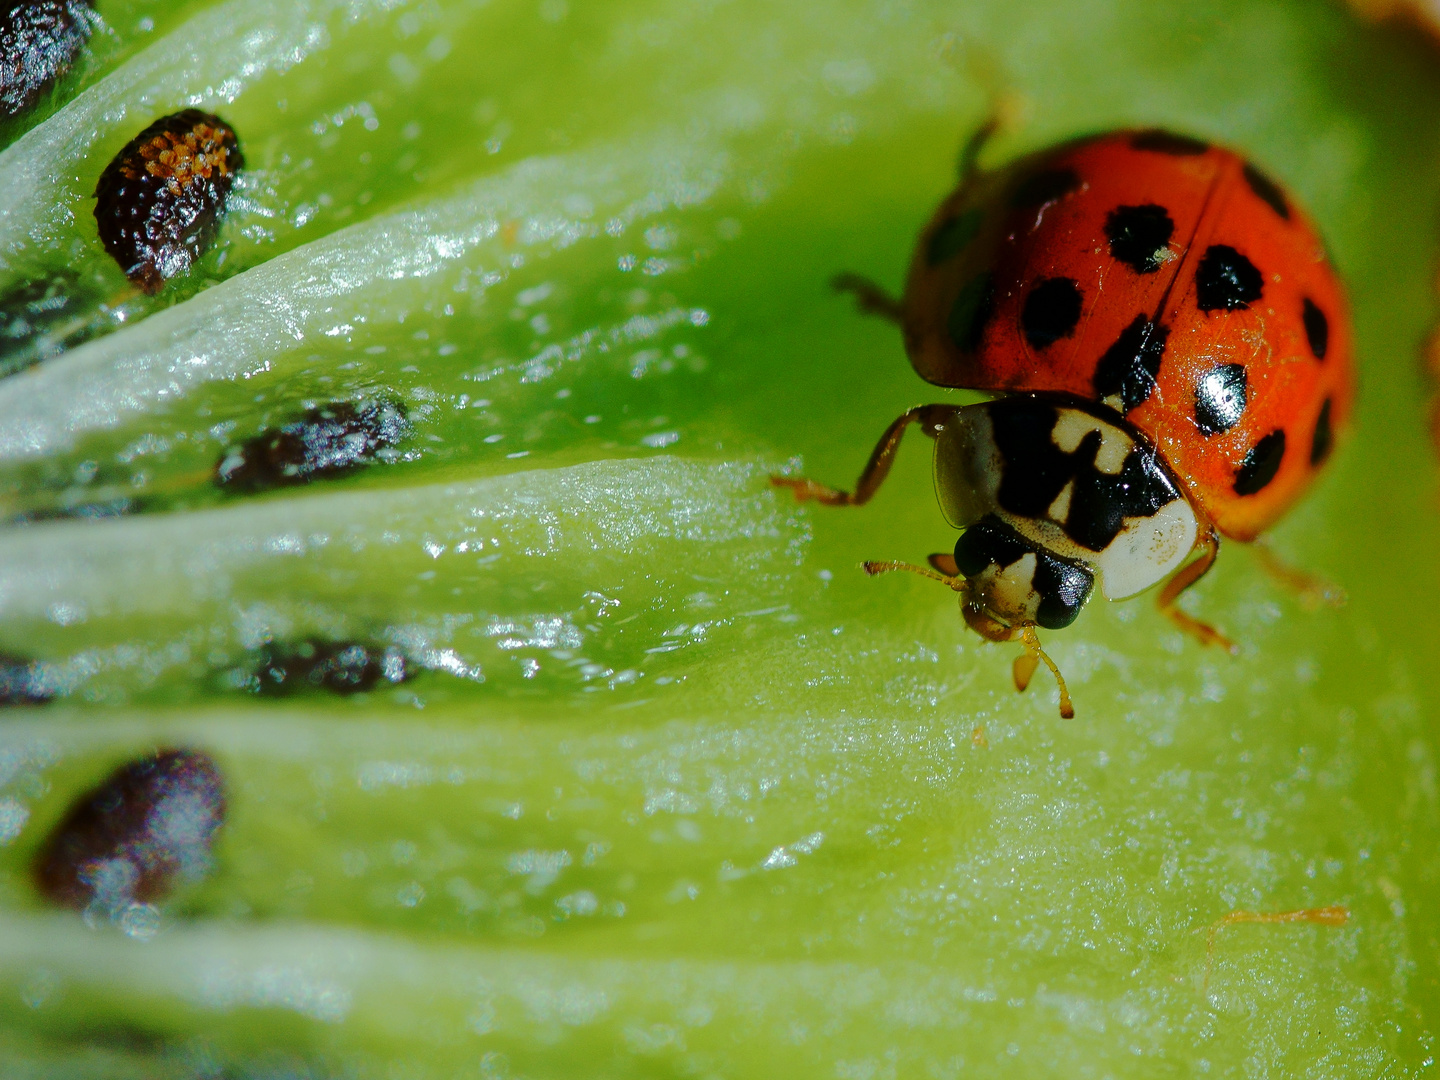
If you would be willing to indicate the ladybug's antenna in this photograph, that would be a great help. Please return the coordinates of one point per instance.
(957, 583)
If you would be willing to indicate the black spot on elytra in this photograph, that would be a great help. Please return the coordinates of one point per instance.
(1220, 398)
(1324, 437)
(1267, 190)
(145, 829)
(328, 441)
(1131, 366)
(23, 682)
(341, 667)
(1166, 142)
(154, 219)
(953, 236)
(1035, 471)
(1063, 586)
(1260, 464)
(39, 41)
(970, 313)
(1045, 187)
(1226, 280)
(1051, 311)
(1139, 236)
(1317, 329)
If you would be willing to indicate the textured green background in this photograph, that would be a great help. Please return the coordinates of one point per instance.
(695, 798)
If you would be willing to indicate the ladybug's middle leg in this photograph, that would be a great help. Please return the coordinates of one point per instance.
(931, 419)
(869, 297)
(1209, 545)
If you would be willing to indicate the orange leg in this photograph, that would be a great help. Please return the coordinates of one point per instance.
(1335, 915)
(986, 626)
(945, 563)
(1209, 546)
(1312, 589)
(931, 419)
(1024, 669)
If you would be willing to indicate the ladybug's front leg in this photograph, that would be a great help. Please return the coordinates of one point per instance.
(1209, 545)
(931, 419)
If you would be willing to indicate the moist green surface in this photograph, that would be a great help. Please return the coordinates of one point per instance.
(680, 792)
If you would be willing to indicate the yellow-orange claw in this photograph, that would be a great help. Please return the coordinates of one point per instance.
(1201, 631)
(1024, 670)
(808, 489)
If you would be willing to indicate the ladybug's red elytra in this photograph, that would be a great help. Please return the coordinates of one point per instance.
(1173, 353)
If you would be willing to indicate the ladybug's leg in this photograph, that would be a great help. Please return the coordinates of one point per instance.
(869, 297)
(1209, 545)
(1025, 665)
(931, 419)
(1312, 589)
(945, 563)
(974, 146)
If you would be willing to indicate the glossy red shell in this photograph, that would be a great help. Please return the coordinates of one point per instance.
(1279, 330)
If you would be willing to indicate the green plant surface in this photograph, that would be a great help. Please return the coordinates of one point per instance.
(680, 792)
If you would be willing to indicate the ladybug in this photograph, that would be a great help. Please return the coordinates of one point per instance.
(1170, 354)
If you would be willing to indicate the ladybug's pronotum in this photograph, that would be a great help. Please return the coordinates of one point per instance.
(1173, 350)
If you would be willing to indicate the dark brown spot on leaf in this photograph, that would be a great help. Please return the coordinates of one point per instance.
(24, 682)
(39, 41)
(160, 201)
(341, 667)
(144, 830)
(328, 441)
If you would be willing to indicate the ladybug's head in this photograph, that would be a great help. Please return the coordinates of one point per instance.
(1018, 582)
